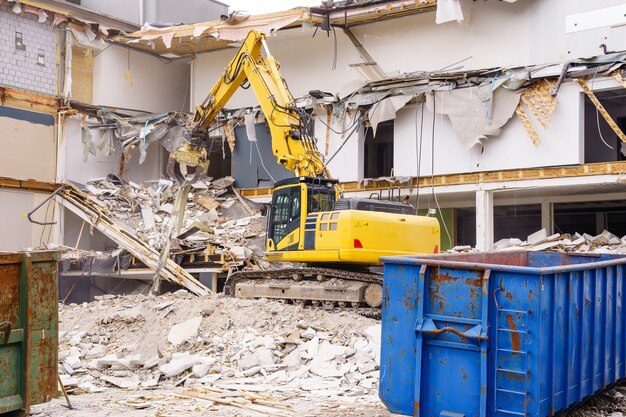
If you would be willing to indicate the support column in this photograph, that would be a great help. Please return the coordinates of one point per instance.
(484, 220)
(546, 217)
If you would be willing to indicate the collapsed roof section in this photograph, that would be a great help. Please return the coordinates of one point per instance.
(188, 40)
(85, 20)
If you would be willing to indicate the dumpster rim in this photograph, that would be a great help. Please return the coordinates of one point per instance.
(438, 260)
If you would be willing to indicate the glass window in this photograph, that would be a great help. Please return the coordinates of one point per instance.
(334, 216)
(321, 199)
(333, 226)
(323, 226)
(325, 216)
(295, 205)
(285, 214)
(280, 212)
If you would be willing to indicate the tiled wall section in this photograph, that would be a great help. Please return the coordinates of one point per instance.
(23, 68)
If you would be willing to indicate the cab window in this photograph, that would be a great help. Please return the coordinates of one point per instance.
(285, 214)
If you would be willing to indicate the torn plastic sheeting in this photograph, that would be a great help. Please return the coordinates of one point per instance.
(88, 146)
(220, 30)
(199, 30)
(116, 133)
(386, 109)
(473, 112)
(239, 31)
(106, 142)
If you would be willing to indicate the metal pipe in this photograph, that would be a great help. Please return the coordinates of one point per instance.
(141, 13)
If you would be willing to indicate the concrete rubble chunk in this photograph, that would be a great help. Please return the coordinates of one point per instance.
(178, 365)
(537, 237)
(184, 331)
(152, 381)
(122, 382)
(373, 334)
(107, 361)
(292, 360)
(328, 351)
(507, 243)
(252, 371)
(312, 347)
(97, 351)
(201, 369)
(67, 368)
(313, 384)
(73, 361)
(148, 217)
(265, 357)
(248, 361)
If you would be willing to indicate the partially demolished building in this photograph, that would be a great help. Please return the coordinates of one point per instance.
(462, 107)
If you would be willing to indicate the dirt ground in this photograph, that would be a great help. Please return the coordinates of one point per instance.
(114, 402)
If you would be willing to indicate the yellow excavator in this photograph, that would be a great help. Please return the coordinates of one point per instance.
(338, 240)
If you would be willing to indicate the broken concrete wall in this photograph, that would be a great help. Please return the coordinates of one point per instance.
(133, 80)
(99, 165)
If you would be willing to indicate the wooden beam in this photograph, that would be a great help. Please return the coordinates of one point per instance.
(602, 168)
(28, 100)
(31, 185)
(605, 114)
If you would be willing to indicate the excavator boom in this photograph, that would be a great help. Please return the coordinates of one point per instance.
(292, 145)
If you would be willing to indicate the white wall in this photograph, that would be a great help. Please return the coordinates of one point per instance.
(156, 86)
(512, 149)
(305, 63)
(347, 162)
(17, 231)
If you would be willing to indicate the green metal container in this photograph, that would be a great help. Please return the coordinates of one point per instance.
(28, 329)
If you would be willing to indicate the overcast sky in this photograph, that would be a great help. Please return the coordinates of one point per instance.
(268, 6)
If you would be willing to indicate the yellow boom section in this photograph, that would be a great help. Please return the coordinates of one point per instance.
(291, 146)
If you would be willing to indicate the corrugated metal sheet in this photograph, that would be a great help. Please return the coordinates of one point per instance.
(501, 334)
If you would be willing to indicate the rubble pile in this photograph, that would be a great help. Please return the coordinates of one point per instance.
(605, 242)
(212, 220)
(180, 341)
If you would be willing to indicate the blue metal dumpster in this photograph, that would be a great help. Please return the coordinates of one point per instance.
(500, 334)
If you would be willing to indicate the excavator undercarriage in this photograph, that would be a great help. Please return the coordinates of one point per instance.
(329, 288)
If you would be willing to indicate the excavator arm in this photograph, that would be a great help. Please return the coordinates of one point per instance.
(292, 145)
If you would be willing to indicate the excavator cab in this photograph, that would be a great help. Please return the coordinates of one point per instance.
(293, 200)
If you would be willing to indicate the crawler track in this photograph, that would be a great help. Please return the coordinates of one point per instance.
(333, 289)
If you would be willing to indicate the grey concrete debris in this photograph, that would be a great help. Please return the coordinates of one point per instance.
(606, 242)
(216, 227)
(252, 345)
(184, 331)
